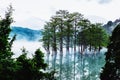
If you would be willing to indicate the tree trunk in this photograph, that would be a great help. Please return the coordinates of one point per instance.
(90, 47)
(83, 67)
(67, 57)
(54, 59)
(54, 46)
(61, 58)
(74, 60)
(67, 64)
(48, 55)
(75, 48)
(61, 55)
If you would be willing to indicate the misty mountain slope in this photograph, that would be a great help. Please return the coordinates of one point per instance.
(25, 33)
(109, 27)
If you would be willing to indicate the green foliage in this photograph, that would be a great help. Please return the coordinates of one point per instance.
(30, 68)
(111, 70)
(38, 59)
(7, 64)
(94, 36)
(21, 68)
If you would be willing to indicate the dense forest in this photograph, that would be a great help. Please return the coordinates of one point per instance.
(74, 46)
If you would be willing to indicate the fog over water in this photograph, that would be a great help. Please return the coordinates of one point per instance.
(30, 46)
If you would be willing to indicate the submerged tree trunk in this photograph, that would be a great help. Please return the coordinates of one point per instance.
(48, 55)
(79, 49)
(54, 51)
(61, 55)
(90, 47)
(83, 67)
(99, 48)
(54, 46)
(54, 54)
(67, 59)
(61, 58)
(74, 60)
(67, 64)
(75, 35)
(54, 59)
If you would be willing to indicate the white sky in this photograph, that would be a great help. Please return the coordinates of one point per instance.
(33, 13)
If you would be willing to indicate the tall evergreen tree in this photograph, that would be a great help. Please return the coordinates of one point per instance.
(7, 64)
(111, 70)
